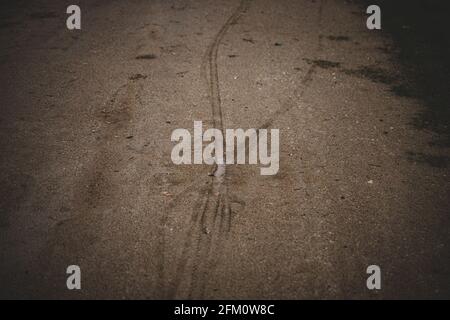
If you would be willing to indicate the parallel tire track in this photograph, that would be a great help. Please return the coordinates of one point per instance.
(211, 216)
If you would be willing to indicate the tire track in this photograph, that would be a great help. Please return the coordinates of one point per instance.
(211, 216)
(305, 81)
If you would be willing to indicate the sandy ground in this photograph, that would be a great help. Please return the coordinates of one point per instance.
(86, 176)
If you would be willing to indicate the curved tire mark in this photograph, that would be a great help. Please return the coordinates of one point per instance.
(211, 219)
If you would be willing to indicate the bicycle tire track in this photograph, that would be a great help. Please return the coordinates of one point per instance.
(211, 216)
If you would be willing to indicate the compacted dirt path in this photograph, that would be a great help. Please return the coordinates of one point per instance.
(87, 177)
